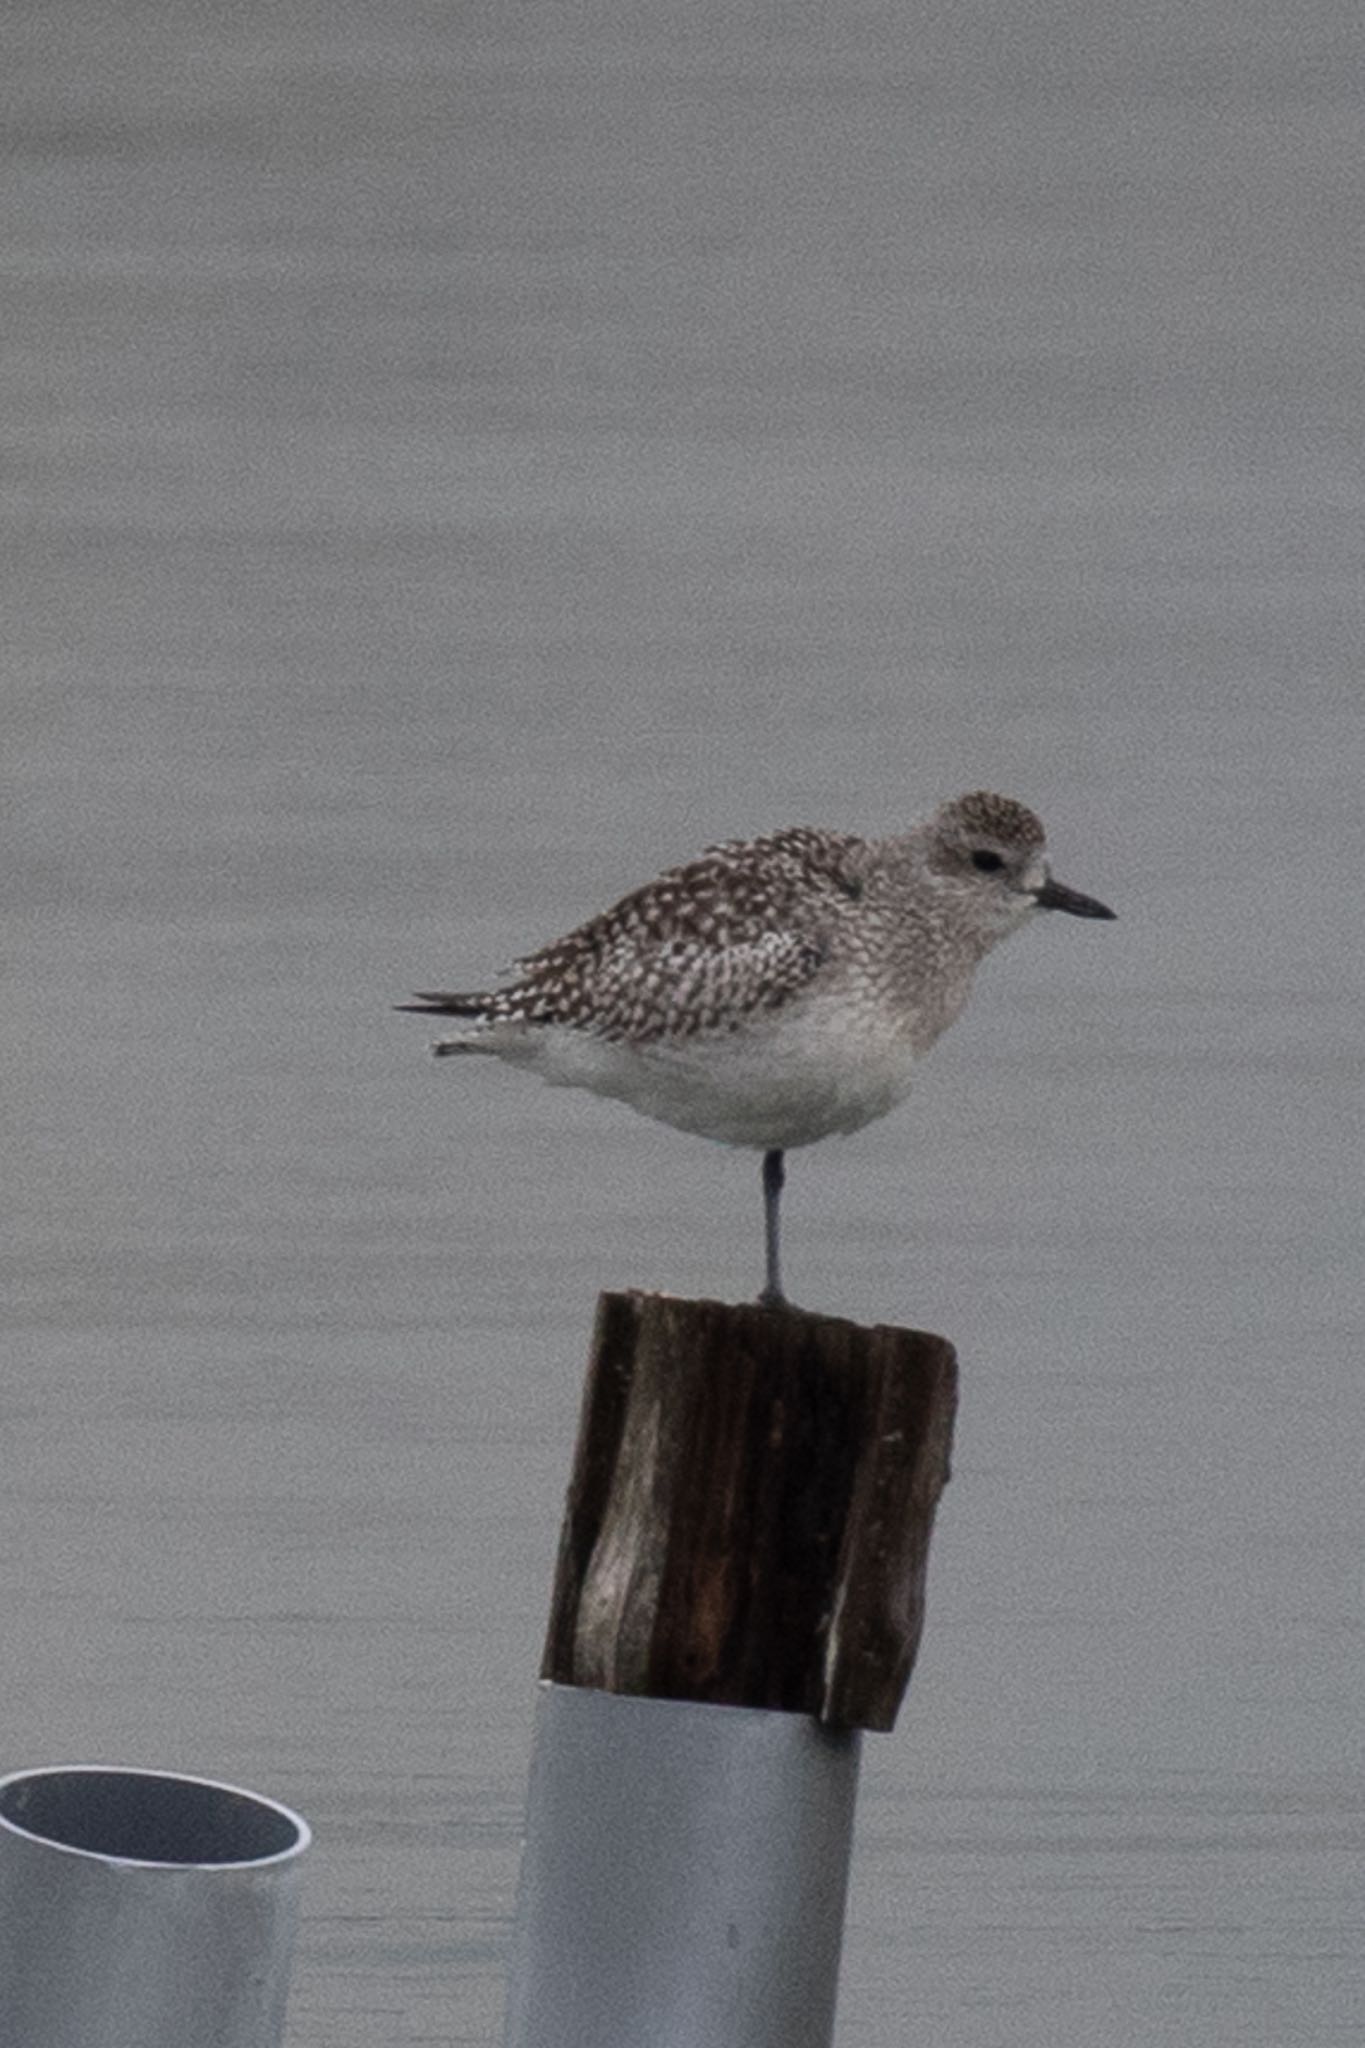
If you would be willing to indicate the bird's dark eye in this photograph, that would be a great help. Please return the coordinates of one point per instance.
(986, 862)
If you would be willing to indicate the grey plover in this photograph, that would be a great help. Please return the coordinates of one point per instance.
(773, 991)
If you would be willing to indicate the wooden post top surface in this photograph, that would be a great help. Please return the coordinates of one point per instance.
(749, 1515)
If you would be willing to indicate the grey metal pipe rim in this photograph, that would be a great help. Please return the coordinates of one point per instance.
(140, 1909)
(683, 1876)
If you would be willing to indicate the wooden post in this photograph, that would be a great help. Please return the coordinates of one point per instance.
(749, 1516)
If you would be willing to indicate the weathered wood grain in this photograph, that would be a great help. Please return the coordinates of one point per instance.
(749, 1515)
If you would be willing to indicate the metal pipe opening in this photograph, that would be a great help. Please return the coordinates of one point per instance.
(149, 1816)
(143, 1909)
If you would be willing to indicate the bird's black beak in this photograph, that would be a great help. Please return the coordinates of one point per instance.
(1053, 896)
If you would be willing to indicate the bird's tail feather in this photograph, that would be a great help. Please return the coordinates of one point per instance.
(469, 1041)
(476, 1006)
(445, 1003)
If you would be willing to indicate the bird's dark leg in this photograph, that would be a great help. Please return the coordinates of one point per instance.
(773, 1179)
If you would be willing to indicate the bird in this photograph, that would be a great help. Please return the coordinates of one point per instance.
(772, 991)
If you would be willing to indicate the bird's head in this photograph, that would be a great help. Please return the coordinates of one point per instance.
(989, 854)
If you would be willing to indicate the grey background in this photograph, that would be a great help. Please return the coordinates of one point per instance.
(457, 460)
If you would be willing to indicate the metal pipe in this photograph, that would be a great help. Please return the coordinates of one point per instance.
(683, 1876)
(139, 1909)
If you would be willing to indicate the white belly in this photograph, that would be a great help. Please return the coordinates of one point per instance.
(785, 1080)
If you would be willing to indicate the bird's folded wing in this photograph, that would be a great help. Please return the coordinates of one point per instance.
(640, 989)
(742, 928)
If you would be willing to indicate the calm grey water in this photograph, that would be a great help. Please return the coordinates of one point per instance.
(457, 459)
